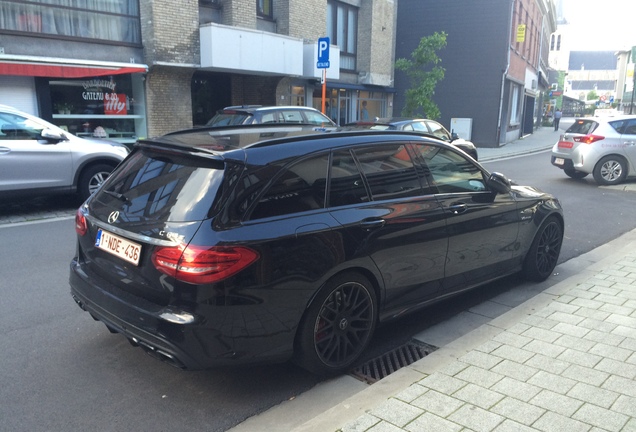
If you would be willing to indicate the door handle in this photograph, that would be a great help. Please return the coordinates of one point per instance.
(458, 208)
(5, 150)
(370, 224)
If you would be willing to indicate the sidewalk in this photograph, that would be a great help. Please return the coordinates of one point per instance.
(564, 360)
(542, 139)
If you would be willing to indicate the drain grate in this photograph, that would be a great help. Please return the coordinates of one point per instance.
(376, 369)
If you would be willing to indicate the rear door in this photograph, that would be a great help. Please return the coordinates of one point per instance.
(390, 214)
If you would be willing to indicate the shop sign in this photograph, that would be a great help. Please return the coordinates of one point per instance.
(114, 103)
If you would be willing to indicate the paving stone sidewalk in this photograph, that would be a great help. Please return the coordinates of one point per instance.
(567, 365)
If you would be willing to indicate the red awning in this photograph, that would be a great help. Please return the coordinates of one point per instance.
(66, 70)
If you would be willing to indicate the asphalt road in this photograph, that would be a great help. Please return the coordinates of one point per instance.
(63, 371)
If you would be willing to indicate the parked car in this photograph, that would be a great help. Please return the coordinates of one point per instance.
(602, 146)
(235, 247)
(257, 114)
(425, 126)
(39, 158)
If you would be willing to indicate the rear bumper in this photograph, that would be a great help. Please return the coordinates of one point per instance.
(197, 345)
(567, 163)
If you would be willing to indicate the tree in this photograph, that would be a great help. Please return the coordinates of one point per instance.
(592, 95)
(424, 73)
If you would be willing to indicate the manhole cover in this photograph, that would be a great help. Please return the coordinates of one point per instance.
(376, 369)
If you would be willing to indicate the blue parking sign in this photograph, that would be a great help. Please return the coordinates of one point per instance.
(323, 53)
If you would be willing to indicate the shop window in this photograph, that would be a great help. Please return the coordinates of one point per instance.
(109, 107)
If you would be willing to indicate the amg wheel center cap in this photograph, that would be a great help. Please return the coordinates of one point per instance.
(343, 324)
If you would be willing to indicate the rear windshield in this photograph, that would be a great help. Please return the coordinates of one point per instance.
(228, 119)
(149, 187)
(583, 127)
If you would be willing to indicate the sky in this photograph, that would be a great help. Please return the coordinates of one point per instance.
(601, 24)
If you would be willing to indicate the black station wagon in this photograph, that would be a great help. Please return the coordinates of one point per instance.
(257, 244)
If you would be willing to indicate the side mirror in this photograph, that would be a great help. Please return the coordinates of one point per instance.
(499, 183)
(454, 136)
(52, 136)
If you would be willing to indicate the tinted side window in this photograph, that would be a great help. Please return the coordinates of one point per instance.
(450, 171)
(389, 171)
(630, 127)
(346, 186)
(299, 187)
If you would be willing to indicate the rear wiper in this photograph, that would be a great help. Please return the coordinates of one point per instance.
(117, 195)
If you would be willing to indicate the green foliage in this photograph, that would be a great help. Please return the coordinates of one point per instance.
(592, 95)
(424, 73)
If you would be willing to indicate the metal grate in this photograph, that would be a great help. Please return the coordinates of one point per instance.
(376, 369)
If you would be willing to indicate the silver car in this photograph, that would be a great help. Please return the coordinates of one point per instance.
(602, 146)
(39, 158)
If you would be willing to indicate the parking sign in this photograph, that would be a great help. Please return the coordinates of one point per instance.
(323, 53)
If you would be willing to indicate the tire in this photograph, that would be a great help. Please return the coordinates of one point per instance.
(575, 174)
(92, 178)
(337, 326)
(610, 170)
(543, 254)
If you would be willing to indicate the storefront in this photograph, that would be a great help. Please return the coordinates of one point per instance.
(348, 103)
(105, 100)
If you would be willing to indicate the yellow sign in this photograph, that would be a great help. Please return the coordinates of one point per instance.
(521, 33)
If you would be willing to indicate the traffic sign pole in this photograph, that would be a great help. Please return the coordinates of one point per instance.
(324, 90)
(323, 63)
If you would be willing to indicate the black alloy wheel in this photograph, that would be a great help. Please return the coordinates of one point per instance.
(338, 325)
(544, 252)
(574, 174)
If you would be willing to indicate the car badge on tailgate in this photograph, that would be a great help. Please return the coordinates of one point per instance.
(113, 216)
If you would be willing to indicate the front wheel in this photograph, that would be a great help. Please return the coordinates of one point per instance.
(574, 174)
(337, 326)
(92, 178)
(610, 170)
(544, 251)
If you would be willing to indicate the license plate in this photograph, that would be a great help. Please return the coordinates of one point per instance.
(118, 246)
(559, 161)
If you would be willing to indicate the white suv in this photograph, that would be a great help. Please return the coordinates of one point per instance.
(39, 158)
(602, 146)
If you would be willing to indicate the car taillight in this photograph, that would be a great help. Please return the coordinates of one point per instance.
(588, 139)
(81, 227)
(201, 265)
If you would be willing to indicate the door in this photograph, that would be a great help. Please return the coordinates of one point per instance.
(388, 214)
(482, 225)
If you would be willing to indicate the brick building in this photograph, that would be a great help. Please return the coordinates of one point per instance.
(144, 68)
(496, 62)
